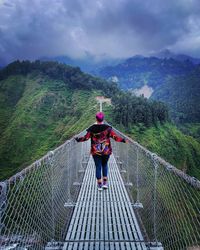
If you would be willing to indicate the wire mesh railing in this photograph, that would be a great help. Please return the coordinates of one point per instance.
(166, 200)
(36, 204)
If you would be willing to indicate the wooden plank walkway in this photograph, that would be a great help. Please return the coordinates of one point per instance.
(103, 220)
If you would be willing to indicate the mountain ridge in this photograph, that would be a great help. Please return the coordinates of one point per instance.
(89, 64)
(44, 103)
(151, 76)
(179, 57)
(135, 72)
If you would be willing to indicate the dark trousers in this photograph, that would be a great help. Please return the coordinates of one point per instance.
(101, 163)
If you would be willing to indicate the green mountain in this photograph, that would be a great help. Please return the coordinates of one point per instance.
(43, 117)
(89, 63)
(182, 94)
(172, 81)
(38, 112)
(138, 71)
(191, 129)
(44, 103)
(166, 140)
(167, 54)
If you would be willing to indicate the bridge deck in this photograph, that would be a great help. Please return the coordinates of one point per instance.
(103, 219)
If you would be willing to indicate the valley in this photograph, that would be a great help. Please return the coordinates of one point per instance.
(43, 104)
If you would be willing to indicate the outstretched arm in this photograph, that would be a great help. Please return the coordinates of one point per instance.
(84, 138)
(116, 137)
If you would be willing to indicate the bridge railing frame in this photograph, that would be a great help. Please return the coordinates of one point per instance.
(36, 204)
(166, 200)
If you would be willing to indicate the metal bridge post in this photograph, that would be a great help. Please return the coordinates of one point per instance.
(155, 244)
(128, 184)
(81, 168)
(137, 204)
(155, 164)
(3, 198)
(69, 202)
(51, 160)
(84, 157)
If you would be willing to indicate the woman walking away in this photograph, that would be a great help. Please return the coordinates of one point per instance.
(101, 149)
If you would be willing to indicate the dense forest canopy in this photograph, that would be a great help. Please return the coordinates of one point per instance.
(128, 109)
(182, 94)
(71, 76)
(137, 71)
(44, 103)
(174, 82)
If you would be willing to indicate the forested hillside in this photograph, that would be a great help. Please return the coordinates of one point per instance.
(174, 82)
(138, 71)
(42, 118)
(181, 150)
(182, 94)
(44, 103)
(129, 110)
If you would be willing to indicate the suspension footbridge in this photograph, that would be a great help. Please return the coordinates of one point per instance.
(104, 220)
(55, 204)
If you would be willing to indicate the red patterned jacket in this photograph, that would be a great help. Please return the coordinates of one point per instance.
(100, 139)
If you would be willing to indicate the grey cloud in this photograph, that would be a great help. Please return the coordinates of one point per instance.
(117, 28)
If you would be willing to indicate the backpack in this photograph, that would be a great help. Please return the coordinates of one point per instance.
(101, 142)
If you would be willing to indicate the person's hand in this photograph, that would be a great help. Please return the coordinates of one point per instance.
(76, 138)
(126, 141)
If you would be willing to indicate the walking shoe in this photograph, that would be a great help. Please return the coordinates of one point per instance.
(99, 186)
(105, 185)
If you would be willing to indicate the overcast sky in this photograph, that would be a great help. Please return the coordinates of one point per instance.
(30, 29)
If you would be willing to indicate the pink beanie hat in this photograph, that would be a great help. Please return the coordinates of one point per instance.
(100, 116)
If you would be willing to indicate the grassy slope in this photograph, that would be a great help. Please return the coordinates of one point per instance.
(182, 151)
(170, 143)
(47, 114)
(43, 113)
(182, 95)
(192, 129)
